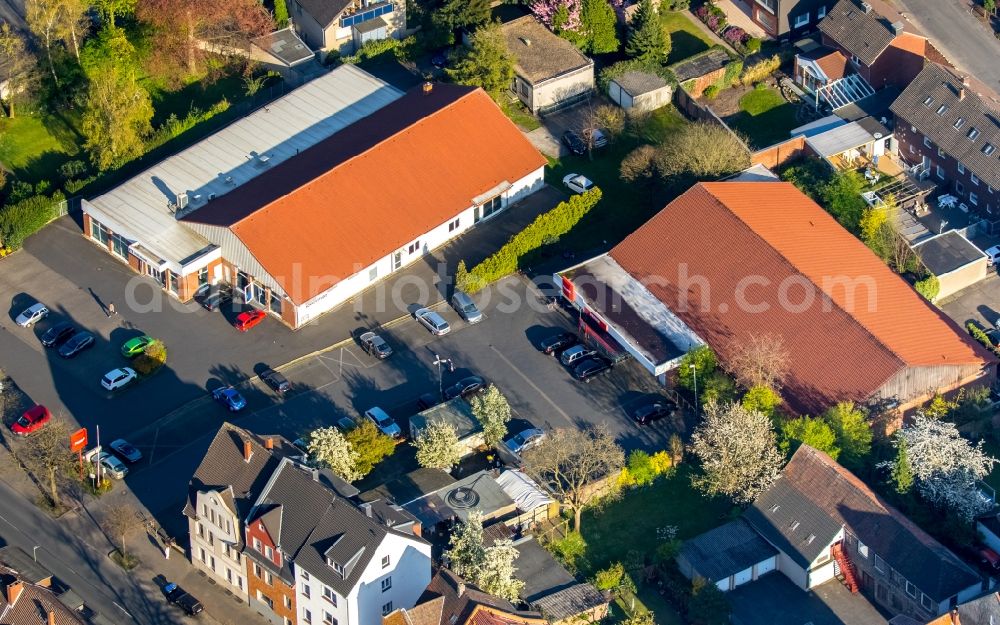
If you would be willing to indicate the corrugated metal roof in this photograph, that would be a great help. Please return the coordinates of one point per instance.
(138, 209)
(840, 139)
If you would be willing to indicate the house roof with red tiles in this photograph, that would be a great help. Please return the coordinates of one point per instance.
(24, 603)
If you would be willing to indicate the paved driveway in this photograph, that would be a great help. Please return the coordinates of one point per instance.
(979, 302)
(775, 600)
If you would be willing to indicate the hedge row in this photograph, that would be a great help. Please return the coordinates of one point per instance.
(546, 228)
(21, 220)
(981, 336)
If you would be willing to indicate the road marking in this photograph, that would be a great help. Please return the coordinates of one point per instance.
(531, 384)
(122, 609)
(152, 451)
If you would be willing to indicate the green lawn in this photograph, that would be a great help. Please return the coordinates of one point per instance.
(520, 116)
(685, 37)
(765, 117)
(34, 147)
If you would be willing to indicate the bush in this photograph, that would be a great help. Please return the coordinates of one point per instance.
(753, 45)
(711, 92)
(72, 169)
(546, 227)
(174, 127)
(929, 287)
(20, 220)
(280, 13)
(151, 359)
(760, 70)
(570, 550)
(610, 578)
(977, 333)
(640, 468)
(372, 49)
(732, 74)
(734, 35)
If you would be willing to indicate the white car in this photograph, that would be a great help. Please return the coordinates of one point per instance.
(384, 422)
(31, 315)
(118, 378)
(432, 321)
(993, 255)
(110, 465)
(578, 183)
(126, 450)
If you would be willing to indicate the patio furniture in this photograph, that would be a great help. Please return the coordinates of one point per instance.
(947, 201)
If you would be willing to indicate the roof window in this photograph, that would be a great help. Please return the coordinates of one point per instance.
(942, 109)
(928, 101)
(959, 123)
(988, 149)
(972, 134)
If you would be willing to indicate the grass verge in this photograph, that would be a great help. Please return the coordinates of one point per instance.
(686, 38)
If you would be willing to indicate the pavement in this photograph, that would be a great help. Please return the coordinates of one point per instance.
(774, 600)
(959, 35)
(979, 302)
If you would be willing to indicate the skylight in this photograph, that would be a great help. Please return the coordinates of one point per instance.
(972, 134)
(988, 149)
(959, 122)
(942, 109)
(928, 101)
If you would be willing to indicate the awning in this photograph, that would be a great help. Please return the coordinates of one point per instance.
(526, 494)
(840, 139)
(492, 193)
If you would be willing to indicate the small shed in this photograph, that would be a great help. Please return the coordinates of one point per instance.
(639, 91)
(281, 51)
(533, 503)
(728, 556)
(954, 260)
(458, 413)
(478, 491)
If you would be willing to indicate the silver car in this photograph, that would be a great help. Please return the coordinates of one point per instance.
(523, 441)
(110, 465)
(575, 354)
(31, 315)
(432, 321)
(466, 307)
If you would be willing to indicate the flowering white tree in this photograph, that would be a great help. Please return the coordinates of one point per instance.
(946, 466)
(558, 15)
(493, 412)
(437, 446)
(738, 451)
(328, 447)
(496, 573)
(466, 551)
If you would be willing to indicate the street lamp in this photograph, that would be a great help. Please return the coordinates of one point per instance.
(694, 372)
(440, 362)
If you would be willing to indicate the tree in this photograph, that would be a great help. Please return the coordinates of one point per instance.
(489, 568)
(842, 198)
(703, 150)
(939, 407)
(111, 10)
(487, 63)
(610, 119)
(945, 466)
(600, 27)
(43, 18)
(466, 281)
(929, 287)
(496, 573)
(854, 435)
(328, 447)
(641, 618)
(493, 412)
(761, 399)
(762, 360)
(738, 452)
(371, 445)
(186, 25)
(117, 119)
(676, 449)
(15, 62)
(119, 522)
(901, 473)
(454, 15)
(990, 7)
(466, 551)
(808, 431)
(708, 605)
(570, 461)
(49, 451)
(705, 363)
(437, 446)
(561, 16)
(280, 13)
(640, 166)
(880, 231)
(647, 40)
(151, 359)
(73, 24)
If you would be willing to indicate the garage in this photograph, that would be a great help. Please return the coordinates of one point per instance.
(743, 577)
(767, 566)
(954, 260)
(729, 556)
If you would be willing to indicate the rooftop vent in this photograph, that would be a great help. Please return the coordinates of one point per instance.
(462, 498)
(867, 7)
(181, 200)
(427, 87)
(229, 180)
(897, 28)
(526, 41)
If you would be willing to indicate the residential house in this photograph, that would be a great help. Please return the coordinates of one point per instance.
(949, 126)
(785, 19)
(450, 600)
(822, 521)
(984, 610)
(29, 597)
(458, 414)
(550, 73)
(551, 590)
(281, 203)
(284, 52)
(727, 260)
(343, 26)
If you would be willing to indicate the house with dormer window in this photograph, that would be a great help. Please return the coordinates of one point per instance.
(346, 25)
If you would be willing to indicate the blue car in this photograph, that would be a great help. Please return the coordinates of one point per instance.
(230, 398)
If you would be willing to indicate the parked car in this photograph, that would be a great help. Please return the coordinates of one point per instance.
(57, 334)
(135, 346)
(248, 319)
(375, 345)
(440, 59)
(77, 343)
(465, 387)
(432, 321)
(32, 315)
(466, 307)
(993, 255)
(384, 422)
(346, 424)
(578, 183)
(118, 378)
(109, 464)
(653, 411)
(989, 559)
(182, 599)
(525, 440)
(213, 296)
(275, 380)
(428, 400)
(595, 137)
(574, 143)
(557, 342)
(230, 398)
(575, 354)
(126, 450)
(33, 419)
(591, 367)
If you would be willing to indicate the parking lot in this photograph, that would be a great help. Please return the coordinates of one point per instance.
(979, 302)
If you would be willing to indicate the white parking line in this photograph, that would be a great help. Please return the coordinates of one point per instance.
(532, 384)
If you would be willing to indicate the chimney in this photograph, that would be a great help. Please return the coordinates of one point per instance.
(955, 620)
(52, 617)
(247, 450)
(461, 588)
(897, 28)
(867, 7)
(269, 443)
(367, 507)
(14, 591)
(428, 87)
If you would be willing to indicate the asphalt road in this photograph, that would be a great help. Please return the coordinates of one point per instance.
(960, 36)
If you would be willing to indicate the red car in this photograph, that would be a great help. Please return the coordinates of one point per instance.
(248, 319)
(31, 421)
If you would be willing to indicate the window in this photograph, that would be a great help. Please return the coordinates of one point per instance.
(972, 134)
(942, 109)
(288, 601)
(327, 618)
(961, 168)
(372, 274)
(268, 578)
(414, 247)
(974, 199)
(927, 602)
(385, 562)
(201, 530)
(397, 260)
(257, 544)
(269, 553)
(453, 226)
(203, 276)
(911, 590)
(288, 621)
(940, 172)
(305, 574)
(203, 556)
(275, 303)
(119, 246)
(928, 101)
(988, 149)
(329, 595)
(257, 571)
(239, 582)
(265, 600)
(488, 208)
(959, 123)
(941, 153)
(336, 567)
(386, 584)
(879, 564)
(801, 20)
(973, 178)
(794, 526)
(99, 232)
(386, 608)
(959, 188)
(307, 591)
(927, 142)
(770, 5)
(821, 12)
(307, 616)
(174, 284)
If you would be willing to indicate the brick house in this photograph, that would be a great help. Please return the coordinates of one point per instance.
(785, 19)
(948, 125)
(345, 25)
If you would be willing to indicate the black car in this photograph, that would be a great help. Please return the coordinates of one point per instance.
(57, 334)
(574, 143)
(464, 387)
(590, 368)
(183, 599)
(76, 344)
(557, 342)
(213, 296)
(653, 411)
(275, 380)
(375, 345)
(428, 400)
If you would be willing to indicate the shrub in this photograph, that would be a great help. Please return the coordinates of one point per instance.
(929, 287)
(734, 35)
(977, 333)
(760, 70)
(372, 49)
(711, 92)
(151, 359)
(640, 468)
(570, 550)
(753, 45)
(72, 169)
(661, 462)
(280, 13)
(174, 127)
(546, 227)
(20, 220)
(610, 578)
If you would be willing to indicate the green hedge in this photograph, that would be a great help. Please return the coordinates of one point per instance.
(929, 287)
(21, 220)
(981, 336)
(545, 229)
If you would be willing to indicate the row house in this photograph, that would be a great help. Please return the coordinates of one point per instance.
(784, 19)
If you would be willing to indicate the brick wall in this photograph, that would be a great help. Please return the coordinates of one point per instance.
(696, 86)
(778, 154)
(900, 63)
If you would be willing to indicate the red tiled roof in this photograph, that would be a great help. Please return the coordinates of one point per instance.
(374, 186)
(32, 605)
(834, 65)
(764, 243)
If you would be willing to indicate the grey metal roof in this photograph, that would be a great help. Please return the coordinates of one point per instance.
(569, 602)
(478, 491)
(456, 412)
(864, 34)
(947, 252)
(982, 611)
(726, 550)
(539, 570)
(840, 139)
(139, 210)
(637, 83)
(285, 46)
(977, 107)
(539, 53)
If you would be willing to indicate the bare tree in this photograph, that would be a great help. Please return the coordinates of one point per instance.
(570, 462)
(119, 522)
(703, 150)
(762, 360)
(16, 63)
(48, 451)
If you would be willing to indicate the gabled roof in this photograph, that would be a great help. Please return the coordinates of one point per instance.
(802, 512)
(721, 233)
(539, 53)
(33, 605)
(462, 600)
(324, 11)
(984, 610)
(866, 35)
(427, 613)
(375, 186)
(974, 104)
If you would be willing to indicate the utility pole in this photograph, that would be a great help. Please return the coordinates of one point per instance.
(440, 362)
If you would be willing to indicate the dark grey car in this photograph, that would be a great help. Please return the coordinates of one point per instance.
(57, 334)
(77, 343)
